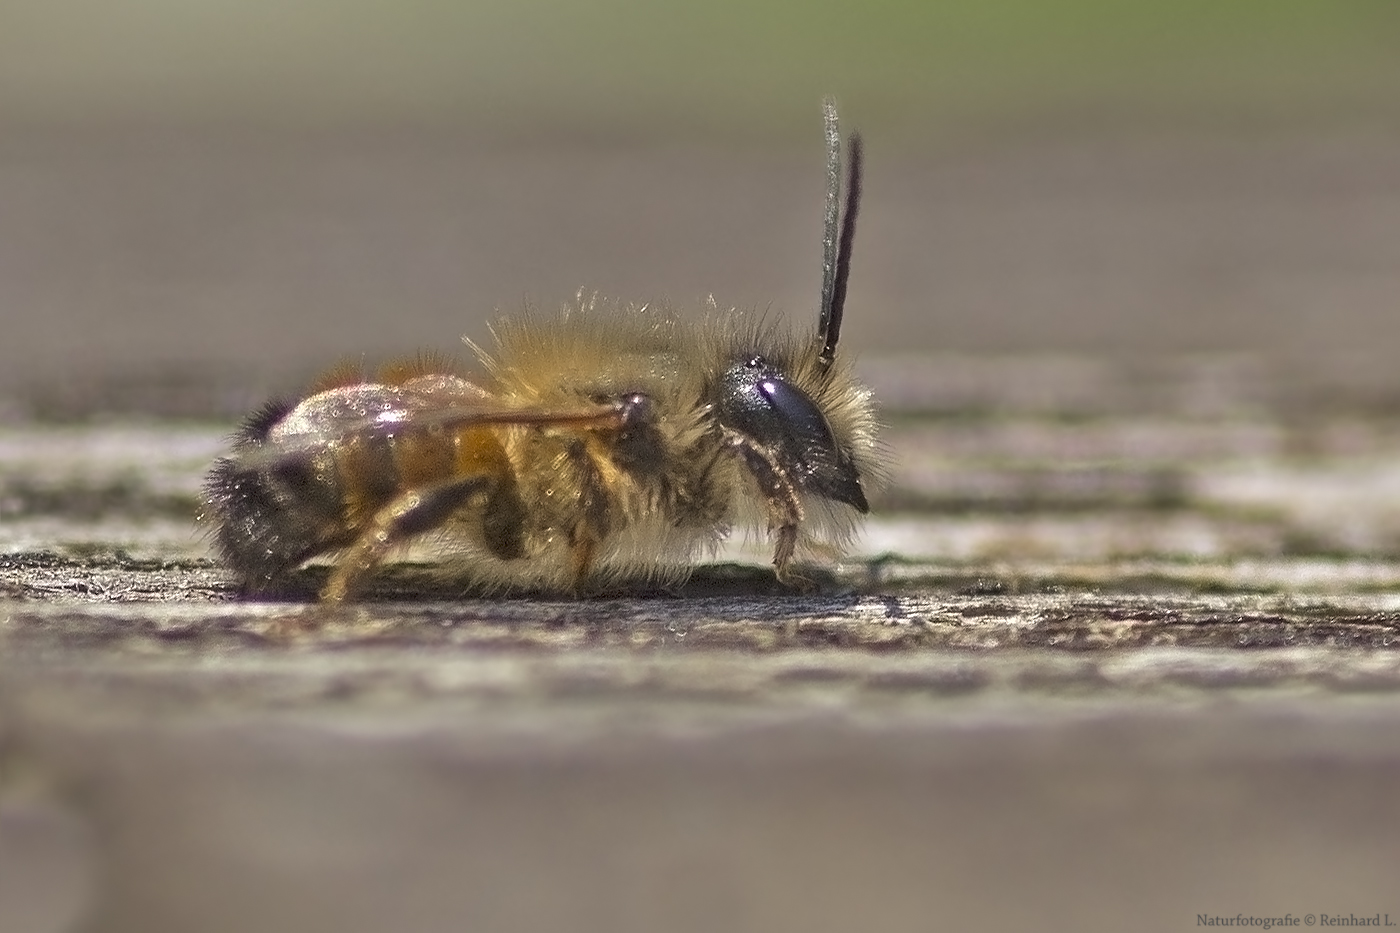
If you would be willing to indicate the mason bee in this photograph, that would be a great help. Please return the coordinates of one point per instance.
(612, 442)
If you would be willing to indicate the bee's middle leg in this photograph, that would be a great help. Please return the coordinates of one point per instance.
(410, 513)
(596, 497)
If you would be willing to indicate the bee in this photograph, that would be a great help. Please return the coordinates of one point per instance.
(612, 442)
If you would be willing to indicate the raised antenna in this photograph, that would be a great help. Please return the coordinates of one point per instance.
(838, 232)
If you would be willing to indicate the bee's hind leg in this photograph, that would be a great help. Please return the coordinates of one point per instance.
(410, 513)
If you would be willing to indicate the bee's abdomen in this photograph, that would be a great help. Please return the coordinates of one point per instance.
(257, 533)
(366, 473)
(372, 473)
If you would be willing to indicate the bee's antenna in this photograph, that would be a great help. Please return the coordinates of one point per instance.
(836, 250)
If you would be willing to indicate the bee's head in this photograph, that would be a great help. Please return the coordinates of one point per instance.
(781, 406)
(760, 400)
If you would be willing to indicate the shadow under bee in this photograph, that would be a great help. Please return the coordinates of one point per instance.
(426, 582)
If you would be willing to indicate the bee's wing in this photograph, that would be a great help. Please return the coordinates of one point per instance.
(372, 411)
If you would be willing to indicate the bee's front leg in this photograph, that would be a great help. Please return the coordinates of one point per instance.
(781, 497)
(407, 514)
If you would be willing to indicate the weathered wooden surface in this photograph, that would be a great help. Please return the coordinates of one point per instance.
(1104, 659)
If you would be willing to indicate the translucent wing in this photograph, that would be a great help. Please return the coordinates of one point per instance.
(428, 403)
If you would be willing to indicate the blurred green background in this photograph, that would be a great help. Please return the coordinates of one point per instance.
(753, 67)
(245, 191)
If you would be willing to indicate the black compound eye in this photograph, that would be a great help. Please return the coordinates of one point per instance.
(799, 417)
(759, 402)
